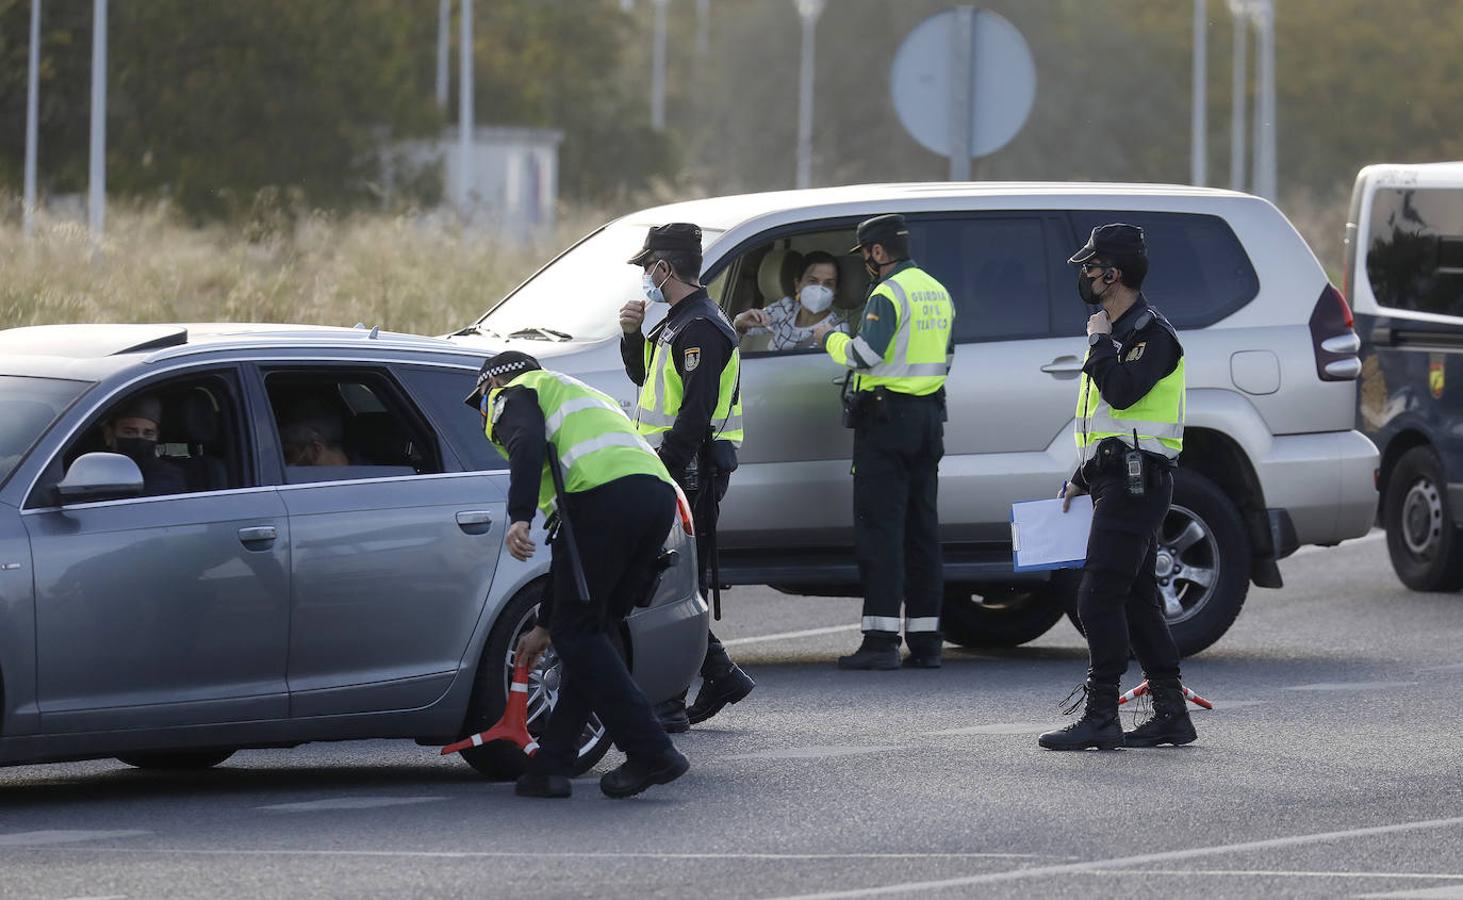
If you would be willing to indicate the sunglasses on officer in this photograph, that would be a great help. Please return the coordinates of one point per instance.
(1098, 267)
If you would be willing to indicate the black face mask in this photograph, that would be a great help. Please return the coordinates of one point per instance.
(1085, 291)
(141, 450)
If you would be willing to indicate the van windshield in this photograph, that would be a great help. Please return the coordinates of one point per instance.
(28, 406)
(577, 296)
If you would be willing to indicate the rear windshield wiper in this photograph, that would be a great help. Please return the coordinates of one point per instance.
(542, 334)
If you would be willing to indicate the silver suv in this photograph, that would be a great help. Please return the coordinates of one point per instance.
(304, 541)
(1271, 460)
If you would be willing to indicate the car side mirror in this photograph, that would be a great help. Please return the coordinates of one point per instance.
(100, 476)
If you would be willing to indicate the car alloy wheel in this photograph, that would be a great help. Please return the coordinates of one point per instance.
(543, 688)
(1187, 564)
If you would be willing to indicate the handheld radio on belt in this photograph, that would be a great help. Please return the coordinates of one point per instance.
(565, 528)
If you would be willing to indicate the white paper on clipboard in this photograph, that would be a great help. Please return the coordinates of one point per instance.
(1043, 537)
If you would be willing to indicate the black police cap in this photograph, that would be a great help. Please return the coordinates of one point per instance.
(1112, 241)
(508, 363)
(880, 230)
(678, 237)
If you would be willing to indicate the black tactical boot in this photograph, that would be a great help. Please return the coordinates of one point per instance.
(1170, 723)
(1098, 726)
(874, 653)
(717, 691)
(924, 653)
(672, 715)
(638, 774)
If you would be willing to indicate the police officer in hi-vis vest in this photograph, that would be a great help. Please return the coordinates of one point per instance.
(690, 410)
(896, 406)
(621, 504)
(1130, 430)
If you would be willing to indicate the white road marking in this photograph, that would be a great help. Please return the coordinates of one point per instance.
(998, 728)
(1446, 892)
(347, 803)
(1288, 873)
(811, 752)
(550, 854)
(1371, 537)
(1144, 860)
(107, 897)
(1230, 704)
(789, 635)
(1351, 686)
(1453, 667)
(45, 838)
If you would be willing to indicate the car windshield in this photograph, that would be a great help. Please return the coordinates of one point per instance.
(577, 296)
(28, 406)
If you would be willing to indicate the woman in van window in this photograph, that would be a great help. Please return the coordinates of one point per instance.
(790, 320)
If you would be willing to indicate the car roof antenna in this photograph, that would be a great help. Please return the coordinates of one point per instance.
(375, 333)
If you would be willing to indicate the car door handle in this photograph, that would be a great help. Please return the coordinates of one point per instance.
(258, 534)
(475, 521)
(1063, 365)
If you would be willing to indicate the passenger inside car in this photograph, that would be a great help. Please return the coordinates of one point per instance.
(789, 321)
(313, 435)
(132, 430)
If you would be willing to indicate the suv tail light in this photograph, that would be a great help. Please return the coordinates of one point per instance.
(1334, 339)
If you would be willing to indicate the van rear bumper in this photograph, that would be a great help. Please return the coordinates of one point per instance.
(1325, 482)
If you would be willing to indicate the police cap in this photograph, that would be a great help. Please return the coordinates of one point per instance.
(880, 230)
(509, 363)
(677, 237)
(1115, 241)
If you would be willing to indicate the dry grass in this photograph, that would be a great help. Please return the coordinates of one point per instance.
(404, 273)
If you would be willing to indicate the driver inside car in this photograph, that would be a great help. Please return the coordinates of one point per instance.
(132, 430)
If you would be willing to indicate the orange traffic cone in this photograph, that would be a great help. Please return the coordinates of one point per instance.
(1142, 689)
(514, 724)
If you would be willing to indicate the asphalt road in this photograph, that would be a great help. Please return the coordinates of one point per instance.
(1329, 769)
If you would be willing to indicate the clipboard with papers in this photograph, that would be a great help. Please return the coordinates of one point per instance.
(1045, 538)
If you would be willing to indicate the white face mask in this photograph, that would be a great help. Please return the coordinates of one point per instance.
(815, 297)
(655, 293)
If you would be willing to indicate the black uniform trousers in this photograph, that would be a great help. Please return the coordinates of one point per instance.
(705, 508)
(620, 528)
(896, 460)
(1119, 602)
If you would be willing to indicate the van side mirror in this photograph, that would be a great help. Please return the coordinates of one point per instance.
(100, 476)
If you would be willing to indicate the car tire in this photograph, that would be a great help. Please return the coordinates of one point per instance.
(179, 761)
(501, 760)
(1425, 546)
(1219, 549)
(1005, 617)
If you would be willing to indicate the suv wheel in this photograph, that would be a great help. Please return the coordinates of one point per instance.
(1203, 564)
(180, 761)
(1421, 538)
(1004, 617)
(500, 759)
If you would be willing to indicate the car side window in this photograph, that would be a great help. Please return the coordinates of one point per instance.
(339, 425)
(995, 268)
(1198, 272)
(771, 276)
(1415, 258)
(440, 393)
(185, 434)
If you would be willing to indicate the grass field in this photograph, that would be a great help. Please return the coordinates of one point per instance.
(402, 273)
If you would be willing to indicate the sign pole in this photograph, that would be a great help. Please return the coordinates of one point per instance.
(1199, 126)
(809, 10)
(962, 84)
(1238, 90)
(32, 116)
(97, 187)
(465, 110)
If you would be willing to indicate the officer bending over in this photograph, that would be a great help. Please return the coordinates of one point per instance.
(621, 506)
(1130, 429)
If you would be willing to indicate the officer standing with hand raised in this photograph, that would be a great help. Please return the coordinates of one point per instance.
(1130, 430)
(897, 409)
(690, 409)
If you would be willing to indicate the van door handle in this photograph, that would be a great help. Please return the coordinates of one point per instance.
(475, 521)
(258, 534)
(1063, 367)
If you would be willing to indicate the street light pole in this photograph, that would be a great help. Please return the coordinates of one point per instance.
(809, 10)
(464, 109)
(32, 116)
(1265, 175)
(703, 27)
(98, 174)
(1199, 126)
(657, 68)
(444, 45)
(1238, 90)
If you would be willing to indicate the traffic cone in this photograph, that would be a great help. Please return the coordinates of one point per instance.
(514, 724)
(1142, 689)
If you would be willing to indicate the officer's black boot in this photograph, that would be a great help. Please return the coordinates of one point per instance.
(672, 715)
(924, 651)
(876, 652)
(1170, 723)
(637, 774)
(1098, 726)
(717, 690)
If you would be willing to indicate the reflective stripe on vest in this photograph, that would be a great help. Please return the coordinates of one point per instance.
(660, 397)
(917, 359)
(1157, 417)
(595, 440)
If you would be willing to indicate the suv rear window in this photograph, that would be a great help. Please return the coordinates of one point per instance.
(1414, 260)
(994, 266)
(1198, 272)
